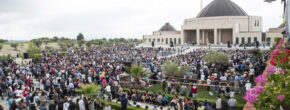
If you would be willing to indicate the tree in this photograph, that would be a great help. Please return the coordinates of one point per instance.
(170, 68)
(182, 70)
(137, 73)
(37, 43)
(55, 39)
(32, 49)
(216, 58)
(89, 90)
(80, 37)
(89, 44)
(1, 46)
(3, 41)
(14, 45)
(81, 42)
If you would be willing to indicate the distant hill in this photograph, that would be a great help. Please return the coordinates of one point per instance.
(11, 41)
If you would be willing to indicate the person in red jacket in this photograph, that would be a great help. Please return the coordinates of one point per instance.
(194, 91)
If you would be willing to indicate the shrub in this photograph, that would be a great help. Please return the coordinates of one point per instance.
(33, 49)
(49, 48)
(170, 68)
(216, 58)
(36, 57)
(14, 45)
(4, 57)
(89, 90)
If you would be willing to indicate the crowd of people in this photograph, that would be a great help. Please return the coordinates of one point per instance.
(50, 83)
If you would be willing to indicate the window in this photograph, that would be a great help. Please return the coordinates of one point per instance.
(162, 40)
(268, 41)
(179, 40)
(145, 40)
(158, 40)
(249, 40)
(170, 39)
(166, 40)
(255, 39)
(149, 40)
(237, 40)
(174, 40)
(243, 40)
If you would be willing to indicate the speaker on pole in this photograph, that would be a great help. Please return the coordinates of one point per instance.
(26, 55)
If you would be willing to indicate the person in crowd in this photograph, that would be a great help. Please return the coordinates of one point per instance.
(53, 79)
(124, 102)
(232, 103)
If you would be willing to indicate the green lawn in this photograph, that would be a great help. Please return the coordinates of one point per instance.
(202, 95)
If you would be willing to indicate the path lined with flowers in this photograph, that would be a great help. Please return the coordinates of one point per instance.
(275, 65)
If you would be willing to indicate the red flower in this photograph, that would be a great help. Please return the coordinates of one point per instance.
(278, 53)
(288, 51)
(273, 62)
(286, 59)
(282, 61)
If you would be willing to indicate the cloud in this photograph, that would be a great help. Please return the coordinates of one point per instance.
(28, 19)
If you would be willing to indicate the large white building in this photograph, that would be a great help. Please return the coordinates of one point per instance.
(220, 22)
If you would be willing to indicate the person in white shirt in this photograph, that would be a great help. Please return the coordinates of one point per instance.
(248, 85)
(219, 103)
(81, 105)
(108, 91)
(66, 105)
(18, 93)
(202, 77)
(37, 85)
(251, 74)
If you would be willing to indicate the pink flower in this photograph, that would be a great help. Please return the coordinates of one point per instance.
(262, 79)
(271, 70)
(251, 98)
(280, 97)
(253, 94)
(258, 90)
(282, 71)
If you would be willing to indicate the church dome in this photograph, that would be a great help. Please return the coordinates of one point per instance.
(222, 8)
(167, 27)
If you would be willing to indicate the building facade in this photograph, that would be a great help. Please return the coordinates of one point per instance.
(220, 22)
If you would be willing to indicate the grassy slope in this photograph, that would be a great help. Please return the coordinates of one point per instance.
(22, 47)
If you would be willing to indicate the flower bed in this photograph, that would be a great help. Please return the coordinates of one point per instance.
(273, 86)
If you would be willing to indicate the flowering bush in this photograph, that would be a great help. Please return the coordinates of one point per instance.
(273, 87)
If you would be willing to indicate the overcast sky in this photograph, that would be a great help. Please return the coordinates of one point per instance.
(28, 19)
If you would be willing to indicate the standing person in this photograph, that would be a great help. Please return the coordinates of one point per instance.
(194, 91)
(124, 102)
(42, 107)
(219, 103)
(66, 105)
(72, 105)
(10, 101)
(98, 104)
(107, 107)
(183, 90)
(51, 105)
(232, 103)
(81, 105)
(248, 85)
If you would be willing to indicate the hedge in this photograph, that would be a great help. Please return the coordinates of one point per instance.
(117, 106)
(170, 97)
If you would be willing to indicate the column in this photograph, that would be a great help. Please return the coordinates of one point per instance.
(203, 36)
(197, 37)
(220, 36)
(215, 36)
